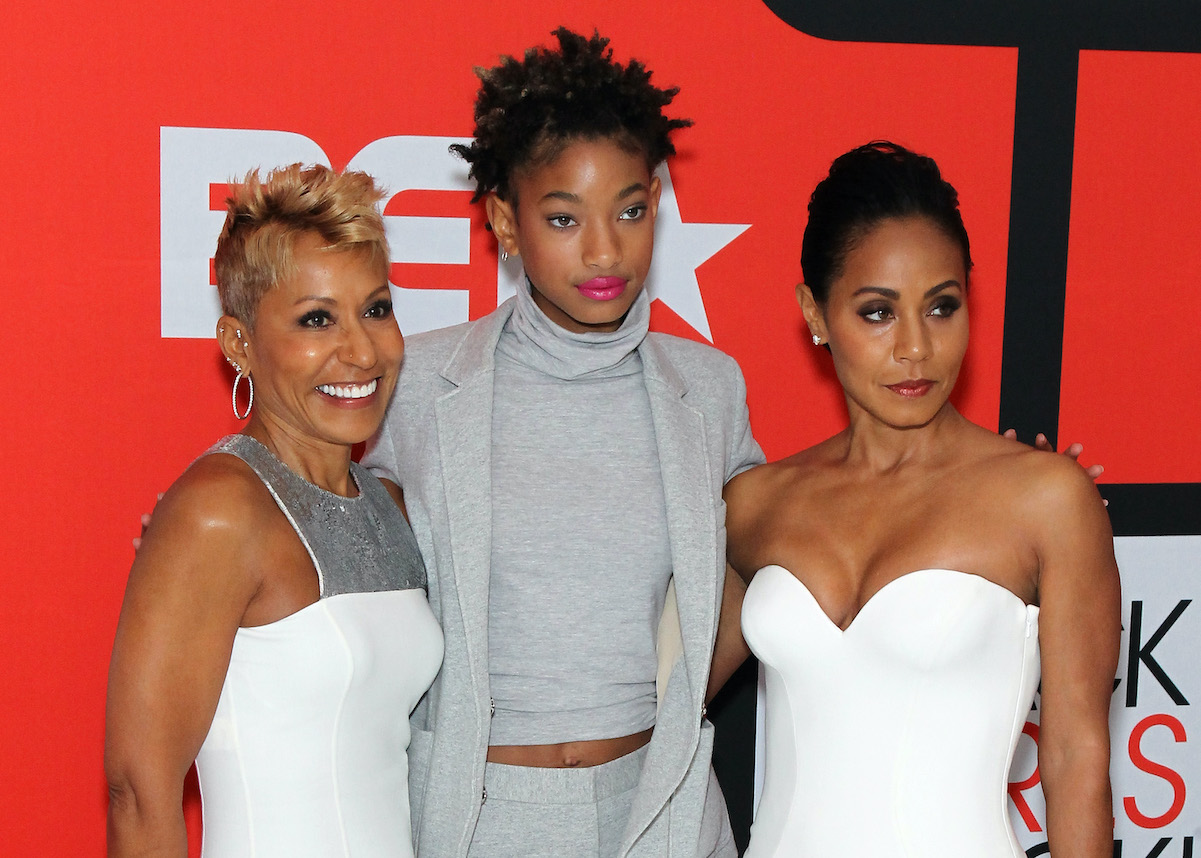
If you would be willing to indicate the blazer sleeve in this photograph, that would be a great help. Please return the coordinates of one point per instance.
(743, 452)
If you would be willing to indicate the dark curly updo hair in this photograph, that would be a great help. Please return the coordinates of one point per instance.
(528, 110)
(875, 182)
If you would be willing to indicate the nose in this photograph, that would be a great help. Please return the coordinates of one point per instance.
(912, 340)
(357, 348)
(602, 246)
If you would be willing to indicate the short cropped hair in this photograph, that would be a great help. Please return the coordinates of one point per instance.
(265, 218)
(869, 184)
(528, 110)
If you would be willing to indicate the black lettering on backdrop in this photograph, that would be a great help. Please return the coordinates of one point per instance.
(1140, 654)
(1049, 38)
(1186, 848)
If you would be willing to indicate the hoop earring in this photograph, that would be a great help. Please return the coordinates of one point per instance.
(250, 385)
(504, 255)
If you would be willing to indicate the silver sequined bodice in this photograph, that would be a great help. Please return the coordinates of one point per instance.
(358, 545)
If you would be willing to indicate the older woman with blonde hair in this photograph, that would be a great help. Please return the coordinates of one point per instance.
(275, 627)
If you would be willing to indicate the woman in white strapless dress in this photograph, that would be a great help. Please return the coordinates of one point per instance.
(275, 626)
(912, 574)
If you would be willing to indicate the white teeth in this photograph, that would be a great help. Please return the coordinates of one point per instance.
(350, 391)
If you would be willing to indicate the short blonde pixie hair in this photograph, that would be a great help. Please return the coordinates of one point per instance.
(266, 217)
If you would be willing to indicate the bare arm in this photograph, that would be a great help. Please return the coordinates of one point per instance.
(1080, 627)
(185, 598)
(730, 650)
(743, 501)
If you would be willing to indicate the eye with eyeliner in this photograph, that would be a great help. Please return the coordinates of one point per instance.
(381, 309)
(634, 212)
(945, 307)
(316, 319)
(875, 313)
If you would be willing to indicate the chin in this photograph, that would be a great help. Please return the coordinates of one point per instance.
(911, 420)
(609, 316)
(350, 433)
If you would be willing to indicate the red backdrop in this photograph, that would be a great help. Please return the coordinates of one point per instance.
(104, 411)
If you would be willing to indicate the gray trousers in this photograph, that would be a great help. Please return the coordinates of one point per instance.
(556, 813)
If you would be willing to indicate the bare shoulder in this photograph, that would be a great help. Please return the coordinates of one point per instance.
(1050, 492)
(1035, 470)
(1051, 481)
(758, 490)
(218, 492)
(766, 505)
(208, 522)
(204, 553)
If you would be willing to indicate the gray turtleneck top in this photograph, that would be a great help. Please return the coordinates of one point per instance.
(580, 553)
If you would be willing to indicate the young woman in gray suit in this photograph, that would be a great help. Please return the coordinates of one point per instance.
(562, 469)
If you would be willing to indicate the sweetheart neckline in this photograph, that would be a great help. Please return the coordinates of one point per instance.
(886, 586)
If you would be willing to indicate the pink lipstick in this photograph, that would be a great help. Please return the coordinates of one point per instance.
(912, 388)
(603, 288)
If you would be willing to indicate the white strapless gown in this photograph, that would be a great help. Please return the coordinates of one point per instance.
(894, 737)
(306, 755)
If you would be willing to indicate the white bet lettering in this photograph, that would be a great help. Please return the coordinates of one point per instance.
(422, 163)
(190, 160)
(193, 159)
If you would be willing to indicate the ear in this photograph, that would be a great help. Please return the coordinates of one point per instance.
(502, 214)
(812, 312)
(656, 191)
(233, 338)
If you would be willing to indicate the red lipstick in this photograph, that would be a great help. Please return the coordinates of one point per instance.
(912, 388)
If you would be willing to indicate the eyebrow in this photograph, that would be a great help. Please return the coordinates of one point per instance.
(326, 299)
(894, 294)
(568, 197)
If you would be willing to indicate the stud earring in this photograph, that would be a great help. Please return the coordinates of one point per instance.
(504, 255)
(817, 341)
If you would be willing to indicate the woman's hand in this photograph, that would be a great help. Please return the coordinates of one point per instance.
(1072, 451)
(146, 516)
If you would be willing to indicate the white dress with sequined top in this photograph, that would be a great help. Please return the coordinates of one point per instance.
(306, 754)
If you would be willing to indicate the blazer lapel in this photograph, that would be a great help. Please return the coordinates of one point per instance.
(464, 428)
(684, 461)
(692, 532)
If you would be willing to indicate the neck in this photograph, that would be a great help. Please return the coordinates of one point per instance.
(324, 464)
(882, 448)
(536, 341)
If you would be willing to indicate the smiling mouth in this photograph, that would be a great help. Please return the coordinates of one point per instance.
(350, 391)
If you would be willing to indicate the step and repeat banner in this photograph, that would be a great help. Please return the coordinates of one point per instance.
(1073, 140)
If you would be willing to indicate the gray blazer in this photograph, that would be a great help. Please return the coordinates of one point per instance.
(436, 444)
